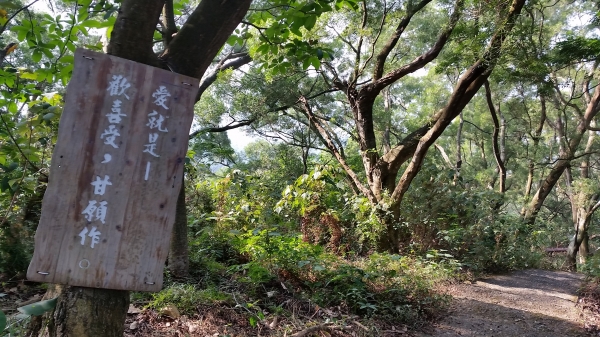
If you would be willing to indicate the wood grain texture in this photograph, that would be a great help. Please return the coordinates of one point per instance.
(140, 204)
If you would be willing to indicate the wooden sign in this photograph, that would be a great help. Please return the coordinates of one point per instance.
(116, 171)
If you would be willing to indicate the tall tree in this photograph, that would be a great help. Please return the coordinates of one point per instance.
(100, 312)
(375, 67)
(584, 196)
(580, 95)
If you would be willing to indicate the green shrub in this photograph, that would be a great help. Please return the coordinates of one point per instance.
(592, 266)
(187, 297)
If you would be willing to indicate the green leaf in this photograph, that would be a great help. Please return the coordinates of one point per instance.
(29, 76)
(252, 321)
(310, 22)
(91, 24)
(2, 321)
(48, 53)
(232, 40)
(22, 34)
(4, 185)
(38, 308)
(48, 116)
(263, 49)
(12, 107)
(319, 54)
(318, 267)
(37, 56)
(315, 62)
(67, 59)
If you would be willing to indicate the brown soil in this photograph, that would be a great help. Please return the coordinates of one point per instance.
(532, 303)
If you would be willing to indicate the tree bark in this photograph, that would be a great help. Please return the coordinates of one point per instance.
(179, 261)
(458, 165)
(584, 248)
(531, 165)
(499, 153)
(577, 239)
(83, 312)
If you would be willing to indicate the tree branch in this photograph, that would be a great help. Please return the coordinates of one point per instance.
(592, 110)
(168, 22)
(210, 79)
(423, 59)
(3, 28)
(466, 88)
(326, 139)
(391, 43)
(204, 33)
(495, 146)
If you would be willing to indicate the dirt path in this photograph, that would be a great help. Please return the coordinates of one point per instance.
(531, 303)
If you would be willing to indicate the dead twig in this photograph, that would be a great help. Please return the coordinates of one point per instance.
(321, 327)
(361, 326)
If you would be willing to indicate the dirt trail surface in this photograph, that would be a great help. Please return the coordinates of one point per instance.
(528, 303)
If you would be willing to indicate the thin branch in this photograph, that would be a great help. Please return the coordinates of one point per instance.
(210, 79)
(227, 127)
(423, 59)
(12, 137)
(391, 43)
(259, 29)
(374, 43)
(495, 145)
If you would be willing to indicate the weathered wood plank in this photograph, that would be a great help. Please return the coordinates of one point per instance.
(128, 164)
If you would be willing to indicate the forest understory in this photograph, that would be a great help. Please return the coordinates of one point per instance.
(532, 302)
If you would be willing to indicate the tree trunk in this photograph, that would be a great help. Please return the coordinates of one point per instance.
(83, 312)
(531, 166)
(583, 221)
(393, 236)
(497, 142)
(584, 248)
(461, 122)
(178, 254)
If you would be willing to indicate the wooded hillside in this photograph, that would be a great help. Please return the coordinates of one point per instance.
(396, 145)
